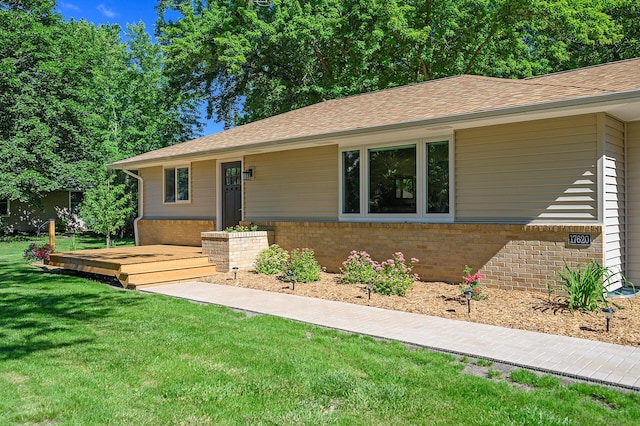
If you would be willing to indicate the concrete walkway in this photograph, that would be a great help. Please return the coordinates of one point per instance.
(589, 360)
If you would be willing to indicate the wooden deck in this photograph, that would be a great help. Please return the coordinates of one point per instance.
(139, 266)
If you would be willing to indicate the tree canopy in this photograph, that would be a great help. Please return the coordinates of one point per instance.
(250, 62)
(74, 96)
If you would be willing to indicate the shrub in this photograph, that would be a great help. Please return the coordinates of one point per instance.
(359, 268)
(272, 260)
(241, 228)
(472, 282)
(393, 276)
(586, 287)
(302, 266)
(36, 252)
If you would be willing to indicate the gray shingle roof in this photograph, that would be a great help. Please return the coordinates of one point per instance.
(423, 101)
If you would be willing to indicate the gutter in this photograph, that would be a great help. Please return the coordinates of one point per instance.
(140, 203)
(581, 103)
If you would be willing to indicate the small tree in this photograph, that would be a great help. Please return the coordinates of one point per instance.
(106, 207)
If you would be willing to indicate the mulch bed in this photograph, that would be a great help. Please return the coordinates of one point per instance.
(525, 310)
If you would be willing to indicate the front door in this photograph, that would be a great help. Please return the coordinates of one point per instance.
(231, 194)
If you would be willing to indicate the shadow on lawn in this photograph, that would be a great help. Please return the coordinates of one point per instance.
(41, 311)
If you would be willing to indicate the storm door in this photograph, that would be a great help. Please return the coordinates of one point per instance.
(231, 194)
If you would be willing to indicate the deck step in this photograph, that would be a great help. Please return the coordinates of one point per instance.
(164, 265)
(157, 277)
(91, 267)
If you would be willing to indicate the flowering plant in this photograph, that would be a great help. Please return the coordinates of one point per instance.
(241, 228)
(393, 276)
(35, 252)
(473, 283)
(358, 268)
(302, 266)
(271, 261)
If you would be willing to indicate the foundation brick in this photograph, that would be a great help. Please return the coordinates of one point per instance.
(521, 256)
(176, 232)
(235, 249)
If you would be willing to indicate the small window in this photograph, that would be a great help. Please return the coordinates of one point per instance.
(75, 198)
(4, 207)
(351, 182)
(176, 184)
(438, 177)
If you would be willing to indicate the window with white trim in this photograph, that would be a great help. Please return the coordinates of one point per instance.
(177, 184)
(404, 181)
(4, 207)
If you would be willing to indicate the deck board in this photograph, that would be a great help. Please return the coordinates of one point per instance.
(139, 264)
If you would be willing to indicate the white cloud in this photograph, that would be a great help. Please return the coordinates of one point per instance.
(69, 6)
(106, 12)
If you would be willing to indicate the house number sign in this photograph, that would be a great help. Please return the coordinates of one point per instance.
(580, 239)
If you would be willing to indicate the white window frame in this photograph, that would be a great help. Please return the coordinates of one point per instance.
(8, 212)
(421, 214)
(164, 183)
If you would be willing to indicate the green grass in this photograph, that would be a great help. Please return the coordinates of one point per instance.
(76, 351)
(483, 362)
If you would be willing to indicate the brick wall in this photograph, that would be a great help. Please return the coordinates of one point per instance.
(509, 256)
(173, 231)
(239, 249)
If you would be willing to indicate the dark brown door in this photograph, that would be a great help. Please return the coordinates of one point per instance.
(231, 194)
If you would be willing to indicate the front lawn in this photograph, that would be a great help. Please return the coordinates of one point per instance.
(76, 351)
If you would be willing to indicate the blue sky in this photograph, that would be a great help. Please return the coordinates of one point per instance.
(120, 12)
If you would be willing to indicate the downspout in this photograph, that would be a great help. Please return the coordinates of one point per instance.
(625, 254)
(140, 203)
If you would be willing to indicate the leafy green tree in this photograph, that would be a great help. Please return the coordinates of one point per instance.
(106, 207)
(41, 125)
(74, 96)
(252, 62)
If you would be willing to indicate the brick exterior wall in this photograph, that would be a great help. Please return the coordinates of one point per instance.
(239, 249)
(176, 232)
(509, 256)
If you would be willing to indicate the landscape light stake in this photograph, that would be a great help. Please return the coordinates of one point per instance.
(369, 289)
(467, 294)
(293, 281)
(609, 313)
(235, 272)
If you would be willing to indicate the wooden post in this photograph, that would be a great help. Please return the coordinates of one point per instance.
(52, 233)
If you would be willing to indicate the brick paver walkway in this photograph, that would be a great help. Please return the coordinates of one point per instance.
(583, 359)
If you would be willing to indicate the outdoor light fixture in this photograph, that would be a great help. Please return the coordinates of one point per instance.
(608, 314)
(369, 289)
(247, 174)
(293, 280)
(235, 272)
(467, 294)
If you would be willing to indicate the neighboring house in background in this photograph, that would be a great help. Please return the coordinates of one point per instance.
(511, 177)
(25, 217)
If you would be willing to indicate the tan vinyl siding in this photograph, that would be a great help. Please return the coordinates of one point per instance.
(202, 193)
(296, 184)
(614, 193)
(537, 171)
(633, 204)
